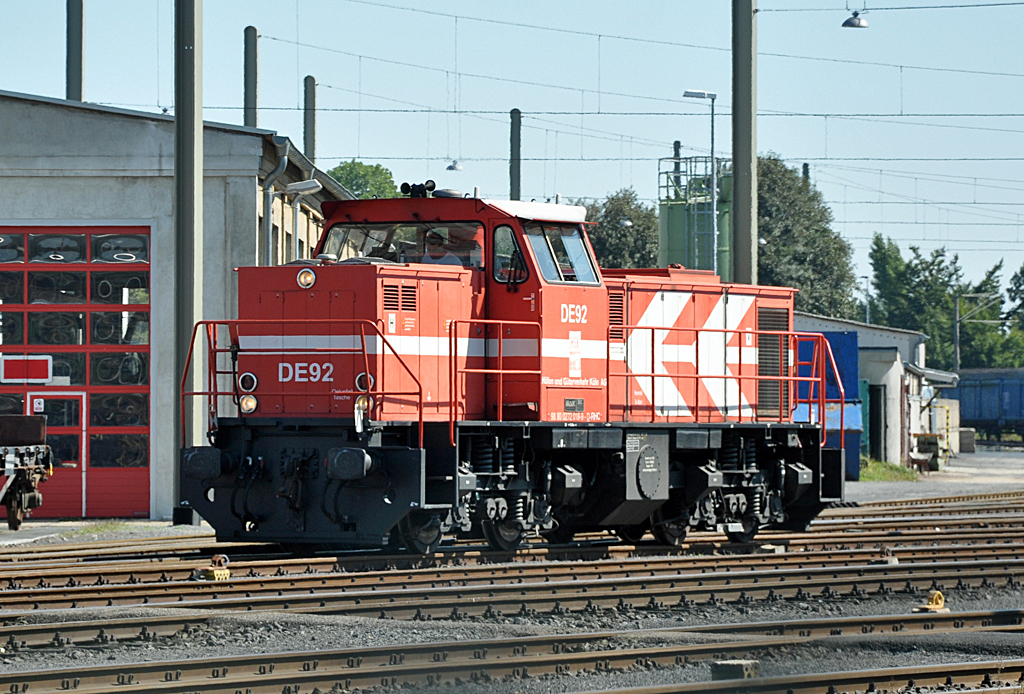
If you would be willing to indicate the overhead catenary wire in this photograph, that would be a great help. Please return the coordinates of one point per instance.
(678, 44)
(889, 9)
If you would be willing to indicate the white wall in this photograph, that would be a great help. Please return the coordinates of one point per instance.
(64, 164)
(884, 367)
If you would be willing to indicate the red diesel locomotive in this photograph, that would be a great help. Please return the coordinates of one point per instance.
(451, 366)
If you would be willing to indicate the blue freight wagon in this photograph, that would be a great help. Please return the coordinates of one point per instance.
(991, 400)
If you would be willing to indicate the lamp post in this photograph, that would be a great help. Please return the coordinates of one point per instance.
(694, 94)
(966, 318)
(867, 298)
(297, 190)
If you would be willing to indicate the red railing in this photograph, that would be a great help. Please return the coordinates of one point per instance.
(214, 332)
(788, 379)
(455, 371)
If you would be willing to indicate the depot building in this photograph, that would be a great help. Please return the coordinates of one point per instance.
(87, 275)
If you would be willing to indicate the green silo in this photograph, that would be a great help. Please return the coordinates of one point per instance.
(686, 234)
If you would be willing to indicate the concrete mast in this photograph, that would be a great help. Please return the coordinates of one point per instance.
(188, 182)
(515, 160)
(75, 49)
(744, 139)
(250, 76)
(309, 119)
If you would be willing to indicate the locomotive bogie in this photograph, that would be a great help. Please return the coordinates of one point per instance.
(324, 485)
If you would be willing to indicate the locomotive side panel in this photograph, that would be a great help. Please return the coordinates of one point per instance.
(307, 352)
(693, 353)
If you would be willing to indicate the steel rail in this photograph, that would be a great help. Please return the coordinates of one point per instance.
(699, 552)
(303, 588)
(446, 662)
(1008, 496)
(587, 595)
(294, 574)
(58, 634)
(952, 508)
(88, 550)
(658, 593)
(959, 677)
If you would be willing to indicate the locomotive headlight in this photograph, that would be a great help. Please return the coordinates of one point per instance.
(364, 403)
(306, 278)
(247, 382)
(247, 404)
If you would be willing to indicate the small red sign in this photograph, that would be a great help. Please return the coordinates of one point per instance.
(29, 368)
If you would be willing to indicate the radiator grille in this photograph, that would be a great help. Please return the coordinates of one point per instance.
(409, 298)
(616, 312)
(391, 300)
(772, 396)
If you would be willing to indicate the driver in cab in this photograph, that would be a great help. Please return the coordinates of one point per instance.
(436, 253)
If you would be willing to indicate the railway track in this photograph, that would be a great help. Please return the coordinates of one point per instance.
(958, 543)
(277, 569)
(447, 594)
(991, 676)
(450, 662)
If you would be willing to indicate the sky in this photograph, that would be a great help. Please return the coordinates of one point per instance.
(913, 127)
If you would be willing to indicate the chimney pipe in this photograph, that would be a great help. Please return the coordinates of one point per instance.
(514, 158)
(75, 48)
(250, 78)
(309, 119)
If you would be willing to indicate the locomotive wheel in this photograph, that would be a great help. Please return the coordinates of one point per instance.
(15, 515)
(670, 534)
(502, 536)
(631, 534)
(420, 533)
(750, 528)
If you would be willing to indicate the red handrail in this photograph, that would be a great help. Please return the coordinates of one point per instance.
(816, 379)
(213, 392)
(454, 371)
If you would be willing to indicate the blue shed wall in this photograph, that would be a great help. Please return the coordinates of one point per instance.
(845, 350)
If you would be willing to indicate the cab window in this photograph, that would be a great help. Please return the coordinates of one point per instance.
(562, 254)
(508, 259)
(453, 243)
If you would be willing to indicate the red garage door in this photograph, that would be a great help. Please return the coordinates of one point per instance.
(74, 345)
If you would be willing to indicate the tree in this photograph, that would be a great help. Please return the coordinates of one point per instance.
(365, 180)
(797, 247)
(626, 231)
(919, 294)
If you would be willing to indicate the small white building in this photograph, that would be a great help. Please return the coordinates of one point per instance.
(87, 276)
(901, 393)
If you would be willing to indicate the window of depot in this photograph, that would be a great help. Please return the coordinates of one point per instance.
(81, 297)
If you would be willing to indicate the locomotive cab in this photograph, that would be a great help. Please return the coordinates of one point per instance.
(463, 367)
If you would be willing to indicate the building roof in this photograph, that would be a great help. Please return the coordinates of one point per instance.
(857, 325)
(987, 374)
(114, 110)
(295, 156)
(935, 377)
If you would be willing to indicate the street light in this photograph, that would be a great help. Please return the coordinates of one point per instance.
(856, 22)
(297, 190)
(695, 94)
(991, 298)
(867, 298)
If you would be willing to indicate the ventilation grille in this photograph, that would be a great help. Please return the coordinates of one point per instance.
(616, 313)
(391, 301)
(772, 360)
(409, 298)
